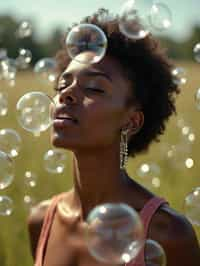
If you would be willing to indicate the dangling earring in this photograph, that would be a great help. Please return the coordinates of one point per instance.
(123, 148)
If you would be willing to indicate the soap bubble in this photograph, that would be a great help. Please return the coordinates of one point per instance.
(29, 201)
(6, 206)
(6, 170)
(192, 206)
(154, 254)
(196, 51)
(3, 54)
(34, 111)
(134, 19)
(24, 58)
(24, 30)
(10, 142)
(160, 17)
(189, 163)
(115, 233)
(86, 38)
(30, 179)
(9, 69)
(197, 99)
(55, 160)
(179, 76)
(150, 174)
(3, 104)
(46, 70)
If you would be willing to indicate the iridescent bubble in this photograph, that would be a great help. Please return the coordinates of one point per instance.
(179, 76)
(154, 254)
(6, 206)
(3, 104)
(196, 51)
(150, 174)
(55, 161)
(34, 111)
(24, 58)
(192, 206)
(10, 142)
(46, 70)
(86, 38)
(25, 30)
(134, 19)
(197, 99)
(6, 170)
(114, 234)
(160, 17)
(30, 179)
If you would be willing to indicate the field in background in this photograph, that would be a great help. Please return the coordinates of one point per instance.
(176, 181)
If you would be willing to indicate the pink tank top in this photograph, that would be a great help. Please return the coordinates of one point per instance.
(146, 215)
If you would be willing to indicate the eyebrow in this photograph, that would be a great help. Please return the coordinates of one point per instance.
(89, 73)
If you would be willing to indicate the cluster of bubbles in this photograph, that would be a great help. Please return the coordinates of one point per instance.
(114, 231)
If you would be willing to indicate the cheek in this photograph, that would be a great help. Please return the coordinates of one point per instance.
(103, 120)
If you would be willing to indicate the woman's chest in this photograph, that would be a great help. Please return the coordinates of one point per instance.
(66, 246)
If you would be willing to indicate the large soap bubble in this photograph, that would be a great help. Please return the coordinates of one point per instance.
(160, 17)
(86, 38)
(6, 170)
(34, 111)
(10, 141)
(115, 233)
(134, 19)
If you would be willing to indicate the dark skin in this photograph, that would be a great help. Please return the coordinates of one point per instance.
(98, 103)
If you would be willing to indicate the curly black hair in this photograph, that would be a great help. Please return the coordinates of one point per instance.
(148, 68)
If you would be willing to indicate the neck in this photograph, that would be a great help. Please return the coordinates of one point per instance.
(97, 179)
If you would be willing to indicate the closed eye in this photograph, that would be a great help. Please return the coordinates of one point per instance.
(95, 89)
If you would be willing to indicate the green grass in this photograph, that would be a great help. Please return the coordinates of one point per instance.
(176, 182)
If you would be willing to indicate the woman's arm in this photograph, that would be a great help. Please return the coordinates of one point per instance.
(177, 237)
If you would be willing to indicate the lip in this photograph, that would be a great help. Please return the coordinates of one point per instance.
(63, 122)
(61, 114)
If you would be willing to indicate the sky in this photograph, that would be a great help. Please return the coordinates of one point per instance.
(47, 14)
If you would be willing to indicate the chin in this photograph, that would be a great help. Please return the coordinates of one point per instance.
(59, 142)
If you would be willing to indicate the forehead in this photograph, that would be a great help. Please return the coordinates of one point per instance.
(108, 65)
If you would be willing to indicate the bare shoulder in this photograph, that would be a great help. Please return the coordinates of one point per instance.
(175, 233)
(35, 222)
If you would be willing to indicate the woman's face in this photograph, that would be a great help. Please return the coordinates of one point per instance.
(90, 105)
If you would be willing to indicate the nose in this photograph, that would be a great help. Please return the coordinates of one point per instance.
(68, 95)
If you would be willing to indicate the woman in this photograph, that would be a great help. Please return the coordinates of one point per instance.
(106, 112)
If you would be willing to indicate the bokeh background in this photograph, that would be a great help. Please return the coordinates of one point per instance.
(171, 178)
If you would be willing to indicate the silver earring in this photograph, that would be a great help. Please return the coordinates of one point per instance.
(123, 148)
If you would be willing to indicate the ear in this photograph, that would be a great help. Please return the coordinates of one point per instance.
(135, 122)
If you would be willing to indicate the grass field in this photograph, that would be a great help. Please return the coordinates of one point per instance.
(176, 180)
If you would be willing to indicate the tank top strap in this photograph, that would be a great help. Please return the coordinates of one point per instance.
(46, 226)
(149, 210)
(146, 215)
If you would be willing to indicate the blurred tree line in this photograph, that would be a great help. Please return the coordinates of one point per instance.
(48, 47)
